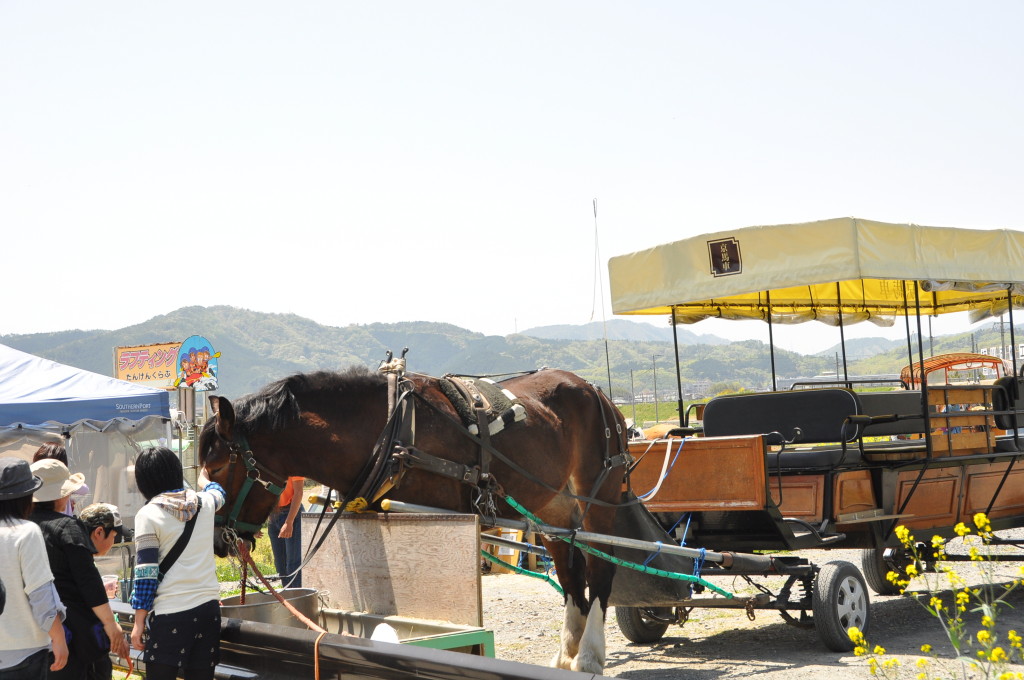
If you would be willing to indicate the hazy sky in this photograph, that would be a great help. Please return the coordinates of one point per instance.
(365, 162)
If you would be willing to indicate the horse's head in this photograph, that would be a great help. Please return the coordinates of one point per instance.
(252, 490)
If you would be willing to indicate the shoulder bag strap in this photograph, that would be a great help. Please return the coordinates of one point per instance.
(179, 545)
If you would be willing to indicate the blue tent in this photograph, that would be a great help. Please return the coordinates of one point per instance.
(36, 391)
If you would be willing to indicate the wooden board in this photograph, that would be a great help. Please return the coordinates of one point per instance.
(419, 566)
(802, 496)
(854, 492)
(935, 502)
(980, 485)
(710, 473)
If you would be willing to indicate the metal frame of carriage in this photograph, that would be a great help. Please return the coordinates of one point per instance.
(830, 466)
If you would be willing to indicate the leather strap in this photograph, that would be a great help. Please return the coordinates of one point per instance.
(179, 545)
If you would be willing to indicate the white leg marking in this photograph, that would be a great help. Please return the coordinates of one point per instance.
(572, 632)
(591, 656)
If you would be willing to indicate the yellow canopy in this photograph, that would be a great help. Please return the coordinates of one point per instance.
(812, 271)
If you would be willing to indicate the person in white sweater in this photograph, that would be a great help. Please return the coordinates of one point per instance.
(177, 607)
(31, 625)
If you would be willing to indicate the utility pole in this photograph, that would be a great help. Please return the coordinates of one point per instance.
(654, 362)
(632, 396)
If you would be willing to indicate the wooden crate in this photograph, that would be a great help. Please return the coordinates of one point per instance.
(953, 432)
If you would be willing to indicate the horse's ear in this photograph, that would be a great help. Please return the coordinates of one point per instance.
(225, 416)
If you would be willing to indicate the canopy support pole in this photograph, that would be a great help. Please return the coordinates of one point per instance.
(842, 335)
(679, 377)
(1013, 340)
(771, 338)
(910, 348)
(924, 378)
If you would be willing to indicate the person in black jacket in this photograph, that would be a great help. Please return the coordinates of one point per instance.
(90, 620)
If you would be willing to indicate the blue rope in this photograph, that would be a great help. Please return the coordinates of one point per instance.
(698, 563)
(673, 527)
(653, 554)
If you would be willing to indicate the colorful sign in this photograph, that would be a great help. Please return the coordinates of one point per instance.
(197, 364)
(150, 365)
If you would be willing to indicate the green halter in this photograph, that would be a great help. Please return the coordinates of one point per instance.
(253, 475)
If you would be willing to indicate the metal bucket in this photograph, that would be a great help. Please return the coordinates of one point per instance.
(265, 608)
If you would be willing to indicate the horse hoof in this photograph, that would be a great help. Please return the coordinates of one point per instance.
(584, 663)
(560, 661)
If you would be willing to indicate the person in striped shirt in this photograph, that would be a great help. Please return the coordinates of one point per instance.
(177, 612)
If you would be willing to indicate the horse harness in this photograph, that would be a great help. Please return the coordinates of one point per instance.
(405, 455)
(395, 453)
(254, 472)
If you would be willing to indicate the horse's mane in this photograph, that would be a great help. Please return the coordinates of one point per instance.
(278, 405)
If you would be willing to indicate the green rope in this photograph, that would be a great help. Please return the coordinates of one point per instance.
(643, 568)
(525, 572)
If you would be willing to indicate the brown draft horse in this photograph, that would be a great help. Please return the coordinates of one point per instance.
(324, 426)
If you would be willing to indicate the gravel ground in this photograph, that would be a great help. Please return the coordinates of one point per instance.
(525, 615)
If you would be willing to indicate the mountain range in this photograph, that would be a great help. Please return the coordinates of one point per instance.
(257, 348)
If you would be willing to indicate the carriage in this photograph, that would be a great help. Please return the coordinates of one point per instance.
(830, 466)
(833, 465)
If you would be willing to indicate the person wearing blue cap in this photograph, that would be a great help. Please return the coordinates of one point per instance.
(32, 638)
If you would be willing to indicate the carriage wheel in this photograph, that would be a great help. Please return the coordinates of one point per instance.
(643, 624)
(875, 566)
(840, 602)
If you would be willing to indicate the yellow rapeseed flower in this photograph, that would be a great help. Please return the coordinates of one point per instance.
(911, 570)
(855, 635)
(936, 604)
(922, 662)
(976, 554)
(1015, 639)
(987, 621)
(926, 648)
(906, 538)
(981, 521)
(938, 541)
(984, 637)
(879, 650)
(998, 655)
(961, 529)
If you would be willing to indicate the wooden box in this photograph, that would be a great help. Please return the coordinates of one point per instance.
(955, 430)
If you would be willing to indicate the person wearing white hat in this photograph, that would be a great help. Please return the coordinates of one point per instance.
(94, 632)
(31, 623)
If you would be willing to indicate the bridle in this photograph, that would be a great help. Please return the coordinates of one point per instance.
(254, 472)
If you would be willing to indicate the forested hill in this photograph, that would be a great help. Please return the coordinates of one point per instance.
(257, 348)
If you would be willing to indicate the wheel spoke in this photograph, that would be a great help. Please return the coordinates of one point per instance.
(851, 603)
